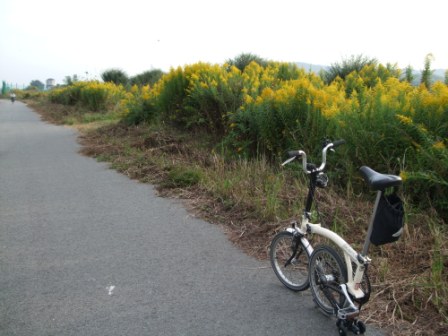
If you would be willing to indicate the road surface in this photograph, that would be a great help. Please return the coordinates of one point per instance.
(86, 251)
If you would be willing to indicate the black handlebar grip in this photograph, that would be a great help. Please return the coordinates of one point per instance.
(293, 153)
(338, 143)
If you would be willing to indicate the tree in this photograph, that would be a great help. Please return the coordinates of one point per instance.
(147, 78)
(4, 88)
(348, 65)
(446, 77)
(409, 74)
(243, 60)
(116, 76)
(37, 84)
(70, 80)
(427, 72)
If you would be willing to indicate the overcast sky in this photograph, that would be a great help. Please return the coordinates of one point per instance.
(42, 39)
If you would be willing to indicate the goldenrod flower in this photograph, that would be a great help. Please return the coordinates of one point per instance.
(404, 119)
(439, 145)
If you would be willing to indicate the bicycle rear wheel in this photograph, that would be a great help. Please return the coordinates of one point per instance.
(290, 261)
(327, 272)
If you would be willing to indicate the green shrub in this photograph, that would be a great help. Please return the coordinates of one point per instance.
(140, 106)
(147, 78)
(171, 92)
(116, 76)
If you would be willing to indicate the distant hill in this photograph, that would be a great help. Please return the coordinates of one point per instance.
(312, 67)
(438, 74)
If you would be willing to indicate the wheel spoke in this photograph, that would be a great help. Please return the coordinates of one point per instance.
(328, 271)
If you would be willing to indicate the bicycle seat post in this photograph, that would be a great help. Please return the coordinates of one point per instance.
(365, 249)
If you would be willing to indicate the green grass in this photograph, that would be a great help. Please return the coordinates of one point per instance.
(182, 177)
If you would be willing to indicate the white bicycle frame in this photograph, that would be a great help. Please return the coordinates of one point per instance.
(350, 255)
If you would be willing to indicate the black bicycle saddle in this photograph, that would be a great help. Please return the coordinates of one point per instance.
(378, 181)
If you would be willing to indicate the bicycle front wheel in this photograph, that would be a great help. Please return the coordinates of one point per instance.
(327, 272)
(290, 261)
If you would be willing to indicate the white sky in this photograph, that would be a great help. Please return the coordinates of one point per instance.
(42, 39)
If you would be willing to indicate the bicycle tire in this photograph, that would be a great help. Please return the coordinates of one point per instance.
(327, 272)
(292, 271)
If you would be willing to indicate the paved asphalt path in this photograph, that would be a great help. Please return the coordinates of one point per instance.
(86, 251)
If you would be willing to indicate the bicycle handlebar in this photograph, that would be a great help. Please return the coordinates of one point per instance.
(337, 143)
(300, 153)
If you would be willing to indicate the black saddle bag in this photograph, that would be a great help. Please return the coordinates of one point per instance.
(389, 220)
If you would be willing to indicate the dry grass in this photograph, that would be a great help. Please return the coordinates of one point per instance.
(251, 202)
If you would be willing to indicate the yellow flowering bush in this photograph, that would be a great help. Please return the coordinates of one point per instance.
(67, 95)
(138, 105)
(92, 95)
(213, 94)
(101, 96)
(275, 107)
(285, 114)
(267, 109)
(428, 168)
(170, 93)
